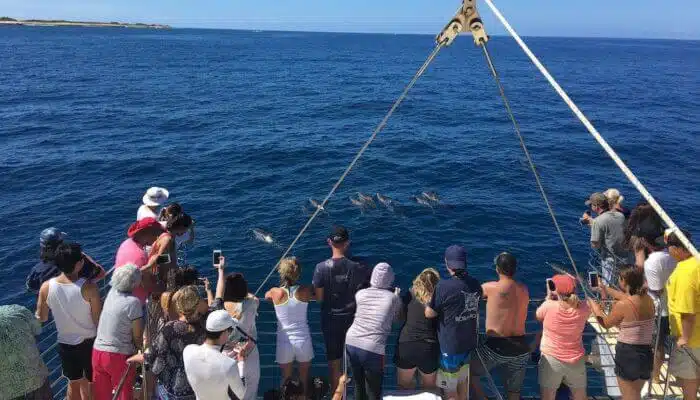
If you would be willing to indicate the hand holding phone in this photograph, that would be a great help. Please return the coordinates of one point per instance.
(216, 258)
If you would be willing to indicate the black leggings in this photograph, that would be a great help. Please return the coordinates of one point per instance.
(367, 371)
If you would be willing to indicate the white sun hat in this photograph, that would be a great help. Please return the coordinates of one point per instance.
(155, 196)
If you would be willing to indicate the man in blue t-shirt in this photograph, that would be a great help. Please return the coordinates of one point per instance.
(336, 281)
(455, 303)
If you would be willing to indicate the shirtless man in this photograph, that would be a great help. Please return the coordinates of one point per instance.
(504, 347)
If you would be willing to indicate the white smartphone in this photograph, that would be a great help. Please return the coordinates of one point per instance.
(593, 279)
(216, 257)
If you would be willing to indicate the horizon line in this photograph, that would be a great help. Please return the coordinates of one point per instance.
(320, 31)
(257, 30)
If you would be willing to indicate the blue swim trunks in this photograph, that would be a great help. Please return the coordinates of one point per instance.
(454, 362)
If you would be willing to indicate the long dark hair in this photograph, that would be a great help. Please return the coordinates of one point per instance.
(642, 221)
(634, 278)
(236, 288)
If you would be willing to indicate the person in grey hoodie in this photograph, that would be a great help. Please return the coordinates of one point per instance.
(377, 307)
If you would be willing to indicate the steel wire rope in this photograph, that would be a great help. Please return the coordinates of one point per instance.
(594, 132)
(359, 154)
(536, 174)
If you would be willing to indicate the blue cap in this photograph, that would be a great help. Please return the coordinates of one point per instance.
(456, 257)
(51, 236)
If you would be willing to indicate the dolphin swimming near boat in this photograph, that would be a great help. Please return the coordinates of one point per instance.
(263, 236)
(366, 199)
(357, 202)
(386, 201)
(422, 200)
(316, 204)
(432, 196)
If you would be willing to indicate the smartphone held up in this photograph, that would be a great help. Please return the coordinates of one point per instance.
(550, 286)
(594, 279)
(216, 258)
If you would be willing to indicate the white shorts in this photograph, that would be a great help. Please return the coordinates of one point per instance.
(301, 350)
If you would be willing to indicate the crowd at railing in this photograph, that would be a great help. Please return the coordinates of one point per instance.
(162, 332)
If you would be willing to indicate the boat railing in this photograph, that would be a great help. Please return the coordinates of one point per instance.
(270, 374)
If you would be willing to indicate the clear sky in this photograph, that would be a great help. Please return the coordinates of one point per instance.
(606, 18)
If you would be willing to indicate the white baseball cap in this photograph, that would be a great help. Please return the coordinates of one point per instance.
(219, 321)
(156, 196)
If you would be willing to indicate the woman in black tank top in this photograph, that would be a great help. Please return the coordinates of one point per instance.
(418, 347)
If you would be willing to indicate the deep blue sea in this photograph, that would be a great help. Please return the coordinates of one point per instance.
(244, 127)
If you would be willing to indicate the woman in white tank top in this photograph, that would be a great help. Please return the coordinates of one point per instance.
(293, 335)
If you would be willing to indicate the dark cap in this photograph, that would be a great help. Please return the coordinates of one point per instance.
(673, 240)
(339, 235)
(596, 199)
(456, 257)
(51, 236)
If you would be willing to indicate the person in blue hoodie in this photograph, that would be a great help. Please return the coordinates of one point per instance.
(365, 343)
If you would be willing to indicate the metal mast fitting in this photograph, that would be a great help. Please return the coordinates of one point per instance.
(467, 19)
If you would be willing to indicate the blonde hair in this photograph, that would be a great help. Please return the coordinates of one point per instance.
(187, 301)
(614, 197)
(289, 270)
(571, 299)
(424, 284)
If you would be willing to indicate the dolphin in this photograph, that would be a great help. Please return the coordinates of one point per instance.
(422, 200)
(386, 201)
(432, 196)
(366, 199)
(357, 202)
(316, 204)
(263, 236)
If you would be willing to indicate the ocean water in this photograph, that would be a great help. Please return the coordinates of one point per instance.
(244, 127)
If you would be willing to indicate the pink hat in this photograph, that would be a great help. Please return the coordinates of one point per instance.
(564, 284)
(145, 223)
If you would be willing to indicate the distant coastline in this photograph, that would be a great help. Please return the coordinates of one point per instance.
(60, 22)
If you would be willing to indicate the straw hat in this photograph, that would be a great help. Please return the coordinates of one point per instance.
(156, 196)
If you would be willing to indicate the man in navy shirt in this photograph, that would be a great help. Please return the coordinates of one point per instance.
(336, 281)
(455, 303)
(46, 268)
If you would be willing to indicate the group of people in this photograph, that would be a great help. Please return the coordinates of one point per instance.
(195, 343)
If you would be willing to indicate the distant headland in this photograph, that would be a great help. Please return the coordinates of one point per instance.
(60, 22)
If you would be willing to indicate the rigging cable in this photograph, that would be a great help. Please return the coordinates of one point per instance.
(359, 154)
(594, 132)
(516, 127)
